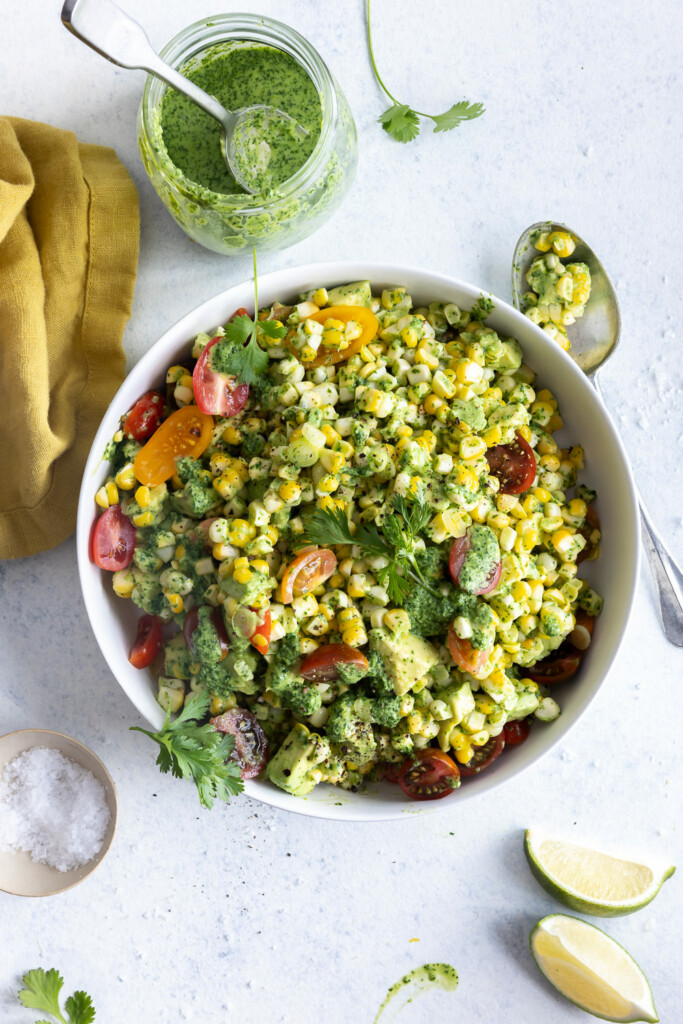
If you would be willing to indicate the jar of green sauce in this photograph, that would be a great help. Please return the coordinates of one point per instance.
(245, 59)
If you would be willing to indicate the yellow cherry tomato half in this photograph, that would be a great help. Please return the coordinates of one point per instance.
(309, 569)
(186, 432)
(362, 315)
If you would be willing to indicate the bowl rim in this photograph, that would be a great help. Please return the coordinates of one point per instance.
(113, 809)
(289, 280)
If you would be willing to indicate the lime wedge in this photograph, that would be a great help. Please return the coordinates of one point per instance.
(591, 970)
(590, 881)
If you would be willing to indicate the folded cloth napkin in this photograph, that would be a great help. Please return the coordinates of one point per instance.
(69, 232)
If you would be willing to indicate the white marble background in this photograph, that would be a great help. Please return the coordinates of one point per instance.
(260, 916)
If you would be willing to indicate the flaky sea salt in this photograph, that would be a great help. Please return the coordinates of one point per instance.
(52, 808)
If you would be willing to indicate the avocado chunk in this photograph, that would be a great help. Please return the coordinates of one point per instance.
(357, 294)
(458, 697)
(293, 768)
(407, 659)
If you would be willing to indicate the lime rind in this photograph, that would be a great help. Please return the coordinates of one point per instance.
(581, 903)
(570, 965)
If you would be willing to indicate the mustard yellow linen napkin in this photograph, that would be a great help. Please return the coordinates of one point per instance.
(69, 232)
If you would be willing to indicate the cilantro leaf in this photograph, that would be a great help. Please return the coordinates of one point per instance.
(400, 122)
(80, 1008)
(41, 992)
(458, 113)
(198, 752)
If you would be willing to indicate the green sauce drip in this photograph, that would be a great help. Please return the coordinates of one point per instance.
(419, 981)
(241, 77)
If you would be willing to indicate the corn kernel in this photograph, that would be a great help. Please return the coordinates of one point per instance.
(175, 602)
(125, 478)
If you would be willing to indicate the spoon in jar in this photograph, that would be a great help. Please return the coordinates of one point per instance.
(123, 41)
(593, 339)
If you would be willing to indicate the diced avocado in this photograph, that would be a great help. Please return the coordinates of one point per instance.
(407, 659)
(526, 703)
(359, 293)
(471, 413)
(458, 697)
(179, 661)
(293, 768)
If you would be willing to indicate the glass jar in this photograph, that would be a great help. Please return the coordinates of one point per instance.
(228, 224)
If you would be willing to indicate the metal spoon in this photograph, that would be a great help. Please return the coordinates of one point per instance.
(123, 41)
(594, 337)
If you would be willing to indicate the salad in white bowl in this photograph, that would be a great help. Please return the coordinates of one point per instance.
(352, 523)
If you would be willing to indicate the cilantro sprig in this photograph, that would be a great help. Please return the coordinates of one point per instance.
(402, 122)
(245, 359)
(198, 752)
(395, 539)
(41, 992)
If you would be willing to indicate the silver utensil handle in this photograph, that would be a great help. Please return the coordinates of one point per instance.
(668, 578)
(122, 40)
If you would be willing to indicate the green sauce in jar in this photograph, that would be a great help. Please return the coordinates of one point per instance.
(242, 76)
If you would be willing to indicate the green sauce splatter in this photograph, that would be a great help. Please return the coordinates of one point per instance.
(416, 983)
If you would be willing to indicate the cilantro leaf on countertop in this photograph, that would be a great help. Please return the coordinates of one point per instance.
(401, 121)
(41, 992)
(198, 752)
(245, 359)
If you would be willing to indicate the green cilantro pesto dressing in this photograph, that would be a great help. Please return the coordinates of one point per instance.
(241, 76)
(419, 981)
(481, 559)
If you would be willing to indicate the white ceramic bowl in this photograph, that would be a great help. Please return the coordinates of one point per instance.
(614, 574)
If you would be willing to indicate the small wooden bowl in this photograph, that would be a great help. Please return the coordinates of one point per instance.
(19, 874)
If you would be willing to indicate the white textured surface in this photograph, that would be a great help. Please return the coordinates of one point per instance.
(272, 916)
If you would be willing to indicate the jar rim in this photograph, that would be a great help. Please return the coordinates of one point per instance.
(249, 28)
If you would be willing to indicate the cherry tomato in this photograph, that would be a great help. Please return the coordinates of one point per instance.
(147, 643)
(362, 315)
(308, 570)
(515, 733)
(514, 465)
(186, 432)
(391, 771)
(251, 746)
(192, 621)
(591, 524)
(113, 540)
(260, 638)
(145, 416)
(220, 394)
(465, 656)
(322, 665)
(483, 756)
(556, 668)
(429, 775)
(456, 560)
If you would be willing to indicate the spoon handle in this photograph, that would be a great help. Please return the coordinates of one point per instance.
(668, 578)
(122, 40)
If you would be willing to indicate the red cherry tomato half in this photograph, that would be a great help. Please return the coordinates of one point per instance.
(260, 638)
(515, 733)
(514, 465)
(556, 668)
(113, 540)
(466, 657)
(192, 621)
(308, 570)
(323, 664)
(592, 523)
(429, 775)
(251, 746)
(147, 643)
(145, 416)
(483, 756)
(219, 394)
(456, 560)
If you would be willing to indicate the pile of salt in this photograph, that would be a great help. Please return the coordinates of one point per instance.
(52, 808)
